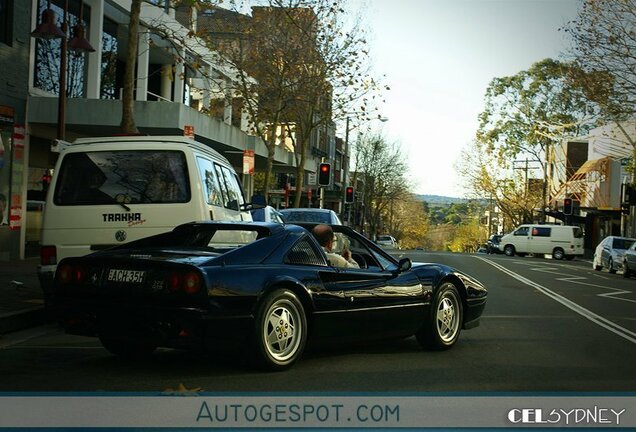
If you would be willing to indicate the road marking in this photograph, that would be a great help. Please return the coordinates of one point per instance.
(578, 279)
(586, 313)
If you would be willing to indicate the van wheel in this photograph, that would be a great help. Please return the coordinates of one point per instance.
(558, 254)
(509, 250)
(610, 266)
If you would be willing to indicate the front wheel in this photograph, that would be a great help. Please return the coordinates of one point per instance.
(558, 254)
(280, 331)
(610, 266)
(442, 327)
(509, 250)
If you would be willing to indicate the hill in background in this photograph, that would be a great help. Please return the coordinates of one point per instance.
(440, 200)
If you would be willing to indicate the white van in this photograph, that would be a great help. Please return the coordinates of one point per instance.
(106, 191)
(557, 240)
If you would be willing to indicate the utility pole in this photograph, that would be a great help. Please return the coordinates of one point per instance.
(525, 168)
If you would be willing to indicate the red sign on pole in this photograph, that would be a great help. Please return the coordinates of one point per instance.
(188, 131)
(248, 162)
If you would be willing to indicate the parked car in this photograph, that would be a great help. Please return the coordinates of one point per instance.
(261, 287)
(492, 245)
(267, 214)
(387, 242)
(558, 240)
(316, 215)
(609, 253)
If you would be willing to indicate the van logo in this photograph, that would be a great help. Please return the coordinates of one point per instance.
(121, 217)
(120, 236)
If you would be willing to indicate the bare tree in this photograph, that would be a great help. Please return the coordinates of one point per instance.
(383, 168)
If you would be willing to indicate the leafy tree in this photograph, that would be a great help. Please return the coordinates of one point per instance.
(510, 191)
(604, 49)
(468, 237)
(409, 222)
(528, 113)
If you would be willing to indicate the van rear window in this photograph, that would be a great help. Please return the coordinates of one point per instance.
(129, 177)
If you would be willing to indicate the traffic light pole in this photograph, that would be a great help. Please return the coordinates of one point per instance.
(322, 190)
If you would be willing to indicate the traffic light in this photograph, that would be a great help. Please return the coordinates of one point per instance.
(349, 192)
(567, 206)
(625, 208)
(324, 174)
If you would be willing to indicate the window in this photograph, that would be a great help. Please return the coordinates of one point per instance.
(523, 231)
(541, 232)
(210, 183)
(6, 22)
(48, 52)
(304, 254)
(230, 187)
(129, 177)
(109, 88)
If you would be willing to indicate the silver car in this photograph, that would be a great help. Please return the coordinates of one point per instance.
(610, 252)
(387, 242)
(317, 215)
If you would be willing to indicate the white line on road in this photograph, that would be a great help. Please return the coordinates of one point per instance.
(586, 313)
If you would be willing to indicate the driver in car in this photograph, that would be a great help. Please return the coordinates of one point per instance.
(324, 235)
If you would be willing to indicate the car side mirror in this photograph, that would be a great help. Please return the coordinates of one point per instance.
(404, 264)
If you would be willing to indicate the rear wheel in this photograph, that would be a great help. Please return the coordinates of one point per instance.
(280, 331)
(626, 271)
(127, 348)
(442, 327)
(509, 250)
(558, 254)
(610, 266)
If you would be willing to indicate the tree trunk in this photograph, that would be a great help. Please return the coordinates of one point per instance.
(127, 114)
(300, 173)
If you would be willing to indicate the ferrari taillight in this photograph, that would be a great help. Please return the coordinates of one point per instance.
(67, 273)
(174, 282)
(189, 283)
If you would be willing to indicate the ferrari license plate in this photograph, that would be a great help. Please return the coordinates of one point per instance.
(132, 276)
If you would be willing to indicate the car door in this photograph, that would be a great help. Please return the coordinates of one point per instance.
(521, 238)
(540, 240)
(375, 301)
(606, 251)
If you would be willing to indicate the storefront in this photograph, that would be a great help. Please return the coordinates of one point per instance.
(13, 169)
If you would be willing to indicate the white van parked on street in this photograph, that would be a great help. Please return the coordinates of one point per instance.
(556, 240)
(106, 191)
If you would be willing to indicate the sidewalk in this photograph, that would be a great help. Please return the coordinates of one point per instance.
(21, 299)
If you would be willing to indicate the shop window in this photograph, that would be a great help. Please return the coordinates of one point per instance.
(6, 21)
(48, 52)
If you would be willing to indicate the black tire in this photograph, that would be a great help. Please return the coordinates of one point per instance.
(127, 348)
(610, 266)
(626, 271)
(442, 327)
(598, 267)
(509, 250)
(277, 345)
(558, 254)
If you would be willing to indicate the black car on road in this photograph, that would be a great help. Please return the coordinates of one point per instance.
(262, 287)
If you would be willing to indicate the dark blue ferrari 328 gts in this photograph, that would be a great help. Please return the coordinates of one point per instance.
(264, 287)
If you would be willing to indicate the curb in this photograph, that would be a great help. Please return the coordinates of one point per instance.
(22, 319)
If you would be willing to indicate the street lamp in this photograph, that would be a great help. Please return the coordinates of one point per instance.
(78, 43)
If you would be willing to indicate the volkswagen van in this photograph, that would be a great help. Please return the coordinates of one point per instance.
(106, 191)
(557, 240)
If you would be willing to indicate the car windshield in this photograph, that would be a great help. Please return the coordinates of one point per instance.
(130, 177)
(306, 216)
(384, 238)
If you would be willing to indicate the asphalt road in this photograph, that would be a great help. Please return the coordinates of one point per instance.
(548, 326)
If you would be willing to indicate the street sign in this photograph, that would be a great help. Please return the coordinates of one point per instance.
(248, 162)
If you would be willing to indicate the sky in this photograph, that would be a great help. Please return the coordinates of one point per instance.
(439, 57)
